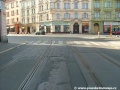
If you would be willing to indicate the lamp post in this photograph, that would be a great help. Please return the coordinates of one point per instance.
(111, 29)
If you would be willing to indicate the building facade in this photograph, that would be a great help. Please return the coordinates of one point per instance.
(13, 16)
(105, 16)
(3, 31)
(29, 18)
(65, 16)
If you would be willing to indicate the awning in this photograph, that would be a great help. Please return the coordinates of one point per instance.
(11, 26)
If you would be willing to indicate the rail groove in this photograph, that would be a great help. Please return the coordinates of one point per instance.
(27, 80)
(87, 66)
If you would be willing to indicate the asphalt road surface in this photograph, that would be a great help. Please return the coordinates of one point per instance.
(61, 62)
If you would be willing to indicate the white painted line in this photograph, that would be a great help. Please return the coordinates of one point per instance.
(11, 48)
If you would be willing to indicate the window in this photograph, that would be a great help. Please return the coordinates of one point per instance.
(33, 11)
(66, 15)
(57, 28)
(16, 3)
(47, 17)
(12, 20)
(23, 21)
(85, 15)
(117, 14)
(12, 13)
(17, 19)
(12, 5)
(7, 6)
(23, 13)
(84, 5)
(107, 4)
(22, 5)
(76, 15)
(75, 5)
(7, 14)
(67, 5)
(33, 3)
(27, 12)
(117, 4)
(17, 12)
(58, 16)
(107, 15)
(96, 4)
(97, 15)
(7, 21)
(58, 5)
(27, 20)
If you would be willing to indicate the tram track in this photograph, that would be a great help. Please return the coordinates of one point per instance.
(31, 74)
(11, 62)
(92, 73)
(115, 62)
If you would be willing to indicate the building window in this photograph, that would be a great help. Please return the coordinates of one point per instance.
(12, 13)
(76, 15)
(27, 12)
(12, 5)
(75, 5)
(17, 19)
(33, 3)
(66, 15)
(27, 20)
(7, 6)
(66, 28)
(57, 28)
(47, 17)
(23, 21)
(16, 3)
(23, 13)
(117, 4)
(107, 4)
(96, 4)
(17, 12)
(58, 5)
(84, 5)
(97, 15)
(58, 16)
(7, 14)
(85, 16)
(66, 5)
(23, 5)
(12, 20)
(7, 21)
(107, 15)
(117, 14)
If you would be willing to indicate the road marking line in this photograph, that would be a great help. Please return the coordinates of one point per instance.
(12, 48)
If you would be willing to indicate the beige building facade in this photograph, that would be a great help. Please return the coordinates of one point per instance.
(52, 16)
(13, 16)
(65, 16)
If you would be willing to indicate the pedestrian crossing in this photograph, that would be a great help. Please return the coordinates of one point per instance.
(83, 43)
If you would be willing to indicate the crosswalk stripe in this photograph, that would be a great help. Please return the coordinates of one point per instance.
(60, 42)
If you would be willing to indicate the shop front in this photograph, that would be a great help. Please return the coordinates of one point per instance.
(111, 25)
(85, 27)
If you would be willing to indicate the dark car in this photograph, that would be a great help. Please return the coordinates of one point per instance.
(117, 32)
(40, 33)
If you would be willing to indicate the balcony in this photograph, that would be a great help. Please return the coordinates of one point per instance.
(85, 19)
(97, 8)
(117, 19)
(66, 19)
(108, 8)
(96, 19)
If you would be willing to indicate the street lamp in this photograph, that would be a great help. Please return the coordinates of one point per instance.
(111, 29)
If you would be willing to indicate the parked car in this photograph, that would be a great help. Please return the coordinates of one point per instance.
(40, 32)
(117, 32)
